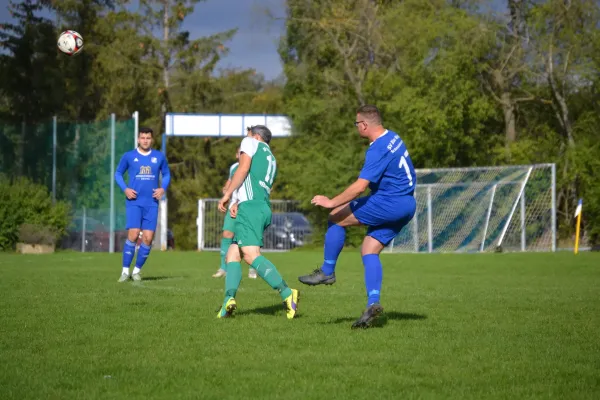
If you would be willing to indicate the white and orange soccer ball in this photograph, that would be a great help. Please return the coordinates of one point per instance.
(70, 43)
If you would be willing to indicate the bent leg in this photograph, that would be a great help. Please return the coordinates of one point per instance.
(340, 218)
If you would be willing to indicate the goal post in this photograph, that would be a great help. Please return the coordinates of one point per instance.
(482, 209)
(459, 210)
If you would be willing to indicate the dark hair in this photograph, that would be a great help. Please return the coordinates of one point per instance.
(144, 129)
(370, 113)
(262, 131)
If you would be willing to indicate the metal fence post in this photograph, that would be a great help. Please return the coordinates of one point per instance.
(83, 229)
(111, 238)
(200, 224)
(54, 140)
(523, 238)
(136, 125)
(429, 222)
(553, 207)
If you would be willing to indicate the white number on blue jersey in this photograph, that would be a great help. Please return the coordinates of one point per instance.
(404, 164)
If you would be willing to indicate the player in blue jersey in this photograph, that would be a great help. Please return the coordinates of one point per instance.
(143, 193)
(389, 173)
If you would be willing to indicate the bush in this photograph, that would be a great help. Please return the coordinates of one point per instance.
(24, 202)
(37, 234)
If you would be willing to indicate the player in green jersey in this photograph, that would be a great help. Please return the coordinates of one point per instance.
(253, 181)
(229, 225)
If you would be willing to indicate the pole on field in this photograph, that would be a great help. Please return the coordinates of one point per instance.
(200, 224)
(523, 236)
(553, 207)
(429, 221)
(54, 159)
(111, 238)
(514, 207)
(487, 218)
(136, 126)
(578, 215)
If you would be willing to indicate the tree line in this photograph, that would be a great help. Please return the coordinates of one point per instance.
(464, 85)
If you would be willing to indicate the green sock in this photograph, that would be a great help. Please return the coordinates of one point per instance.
(269, 273)
(233, 278)
(225, 242)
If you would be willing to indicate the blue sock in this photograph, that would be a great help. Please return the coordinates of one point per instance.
(334, 243)
(373, 277)
(142, 255)
(128, 253)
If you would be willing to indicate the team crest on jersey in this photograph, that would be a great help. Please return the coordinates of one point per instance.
(154, 160)
(145, 170)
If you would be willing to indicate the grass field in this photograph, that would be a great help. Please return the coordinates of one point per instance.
(509, 326)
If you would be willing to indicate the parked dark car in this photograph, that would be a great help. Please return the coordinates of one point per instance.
(287, 231)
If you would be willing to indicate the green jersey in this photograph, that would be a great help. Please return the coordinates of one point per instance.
(263, 170)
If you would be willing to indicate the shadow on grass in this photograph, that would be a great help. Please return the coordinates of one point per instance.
(268, 310)
(384, 318)
(161, 278)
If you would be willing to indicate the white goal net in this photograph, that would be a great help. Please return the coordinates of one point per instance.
(484, 209)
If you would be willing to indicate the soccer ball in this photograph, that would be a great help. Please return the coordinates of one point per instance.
(70, 42)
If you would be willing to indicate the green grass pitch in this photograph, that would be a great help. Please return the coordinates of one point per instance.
(492, 326)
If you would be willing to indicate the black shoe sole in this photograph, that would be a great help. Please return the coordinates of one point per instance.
(328, 283)
(366, 324)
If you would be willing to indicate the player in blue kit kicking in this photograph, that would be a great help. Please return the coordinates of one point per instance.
(143, 194)
(389, 173)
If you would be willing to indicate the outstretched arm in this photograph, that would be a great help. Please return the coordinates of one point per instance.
(351, 192)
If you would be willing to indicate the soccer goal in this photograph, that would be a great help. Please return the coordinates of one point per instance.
(509, 208)
(463, 210)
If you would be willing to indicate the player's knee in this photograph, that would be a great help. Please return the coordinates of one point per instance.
(228, 234)
(147, 238)
(371, 246)
(250, 254)
(133, 235)
(233, 254)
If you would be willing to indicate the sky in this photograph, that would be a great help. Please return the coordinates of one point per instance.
(255, 43)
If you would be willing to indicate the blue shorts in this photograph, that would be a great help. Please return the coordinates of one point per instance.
(384, 218)
(141, 217)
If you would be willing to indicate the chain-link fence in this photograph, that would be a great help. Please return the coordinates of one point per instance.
(289, 227)
(76, 161)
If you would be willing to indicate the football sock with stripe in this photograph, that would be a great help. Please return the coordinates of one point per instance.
(225, 243)
(233, 278)
(142, 256)
(128, 253)
(269, 273)
(373, 277)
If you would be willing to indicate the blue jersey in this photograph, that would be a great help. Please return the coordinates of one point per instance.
(143, 175)
(388, 167)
